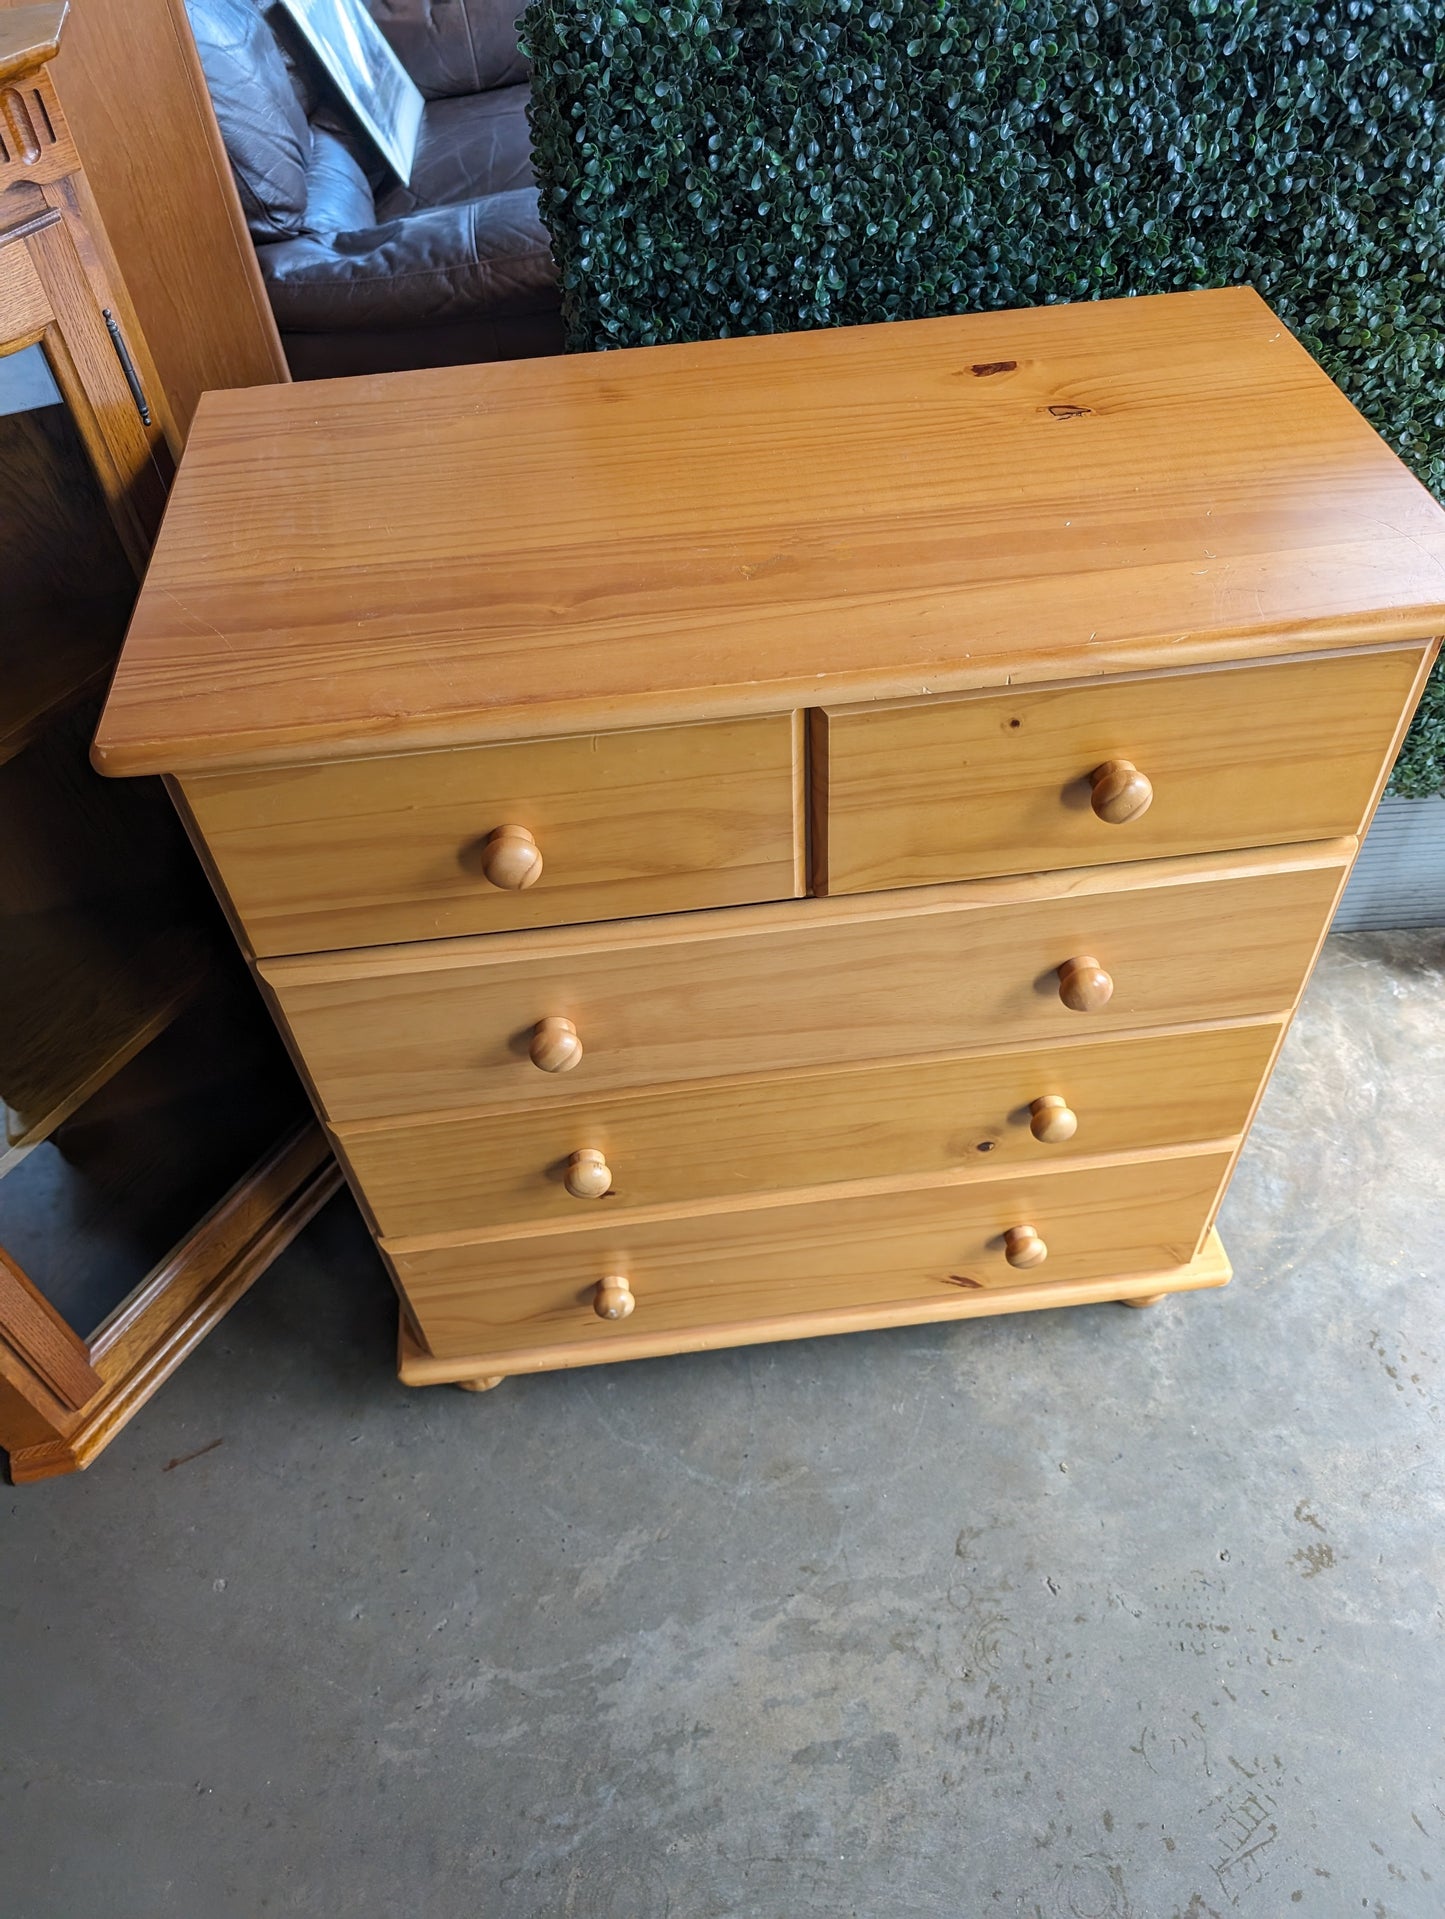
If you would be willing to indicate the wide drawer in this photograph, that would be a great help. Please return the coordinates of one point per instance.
(473, 1172)
(775, 1260)
(370, 851)
(812, 983)
(951, 789)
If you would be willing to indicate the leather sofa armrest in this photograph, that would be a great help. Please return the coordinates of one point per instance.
(487, 257)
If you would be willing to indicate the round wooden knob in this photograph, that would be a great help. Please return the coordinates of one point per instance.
(1052, 1120)
(613, 1298)
(1119, 792)
(1084, 986)
(588, 1175)
(510, 859)
(1022, 1247)
(555, 1047)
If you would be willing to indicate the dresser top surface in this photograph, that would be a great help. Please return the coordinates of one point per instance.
(419, 560)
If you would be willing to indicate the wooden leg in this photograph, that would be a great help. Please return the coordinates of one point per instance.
(1144, 1299)
(484, 1384)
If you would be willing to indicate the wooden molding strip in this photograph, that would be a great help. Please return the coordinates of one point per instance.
(40, 1338)
(141, 1345)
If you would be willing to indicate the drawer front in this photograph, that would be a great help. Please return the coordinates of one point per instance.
(573, 1159)
(742, 1267)
(815, 983)
(953, 789)
(370, 851)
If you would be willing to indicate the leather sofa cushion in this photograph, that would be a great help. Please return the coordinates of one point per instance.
(262, 121)
(454, 46)
(488, 257)
(477, 144)
(338, 193)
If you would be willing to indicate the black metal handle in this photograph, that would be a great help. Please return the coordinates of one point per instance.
(37, 223)
(127, 366)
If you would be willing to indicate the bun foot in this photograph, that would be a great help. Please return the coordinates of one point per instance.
(482, 1384)
(1144, 1299)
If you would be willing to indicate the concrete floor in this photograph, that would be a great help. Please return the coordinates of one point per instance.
(1082, 1615)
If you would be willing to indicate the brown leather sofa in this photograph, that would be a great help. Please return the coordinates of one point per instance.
(366, 275)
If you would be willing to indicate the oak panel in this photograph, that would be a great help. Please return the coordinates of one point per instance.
(632, 538)
(1000, 783)
(748, 1264)
(25, 309)
(941, 970)
(475, 1172)
(158, 169)
(369, 851)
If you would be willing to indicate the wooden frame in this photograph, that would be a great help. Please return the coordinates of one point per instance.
(63, 1397)
(158, 170)
(45, 1423)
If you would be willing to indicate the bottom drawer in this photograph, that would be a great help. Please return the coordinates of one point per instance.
(774, 1260)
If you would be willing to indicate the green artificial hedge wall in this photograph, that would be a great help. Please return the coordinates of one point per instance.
(744, 166)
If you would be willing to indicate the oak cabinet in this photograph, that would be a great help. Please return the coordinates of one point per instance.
(155, 1151)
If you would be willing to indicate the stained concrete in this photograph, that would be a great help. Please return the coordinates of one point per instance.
(1084, 1615)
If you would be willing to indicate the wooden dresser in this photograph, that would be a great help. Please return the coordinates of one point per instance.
(792, 834)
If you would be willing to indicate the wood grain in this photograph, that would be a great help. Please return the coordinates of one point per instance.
(99, 944)
(626, 823)
(1000, 783)
(593, 543)
(810, 982)
(25, 311)
(382, 608)
(61, 634)
(1052, 1121)
(52, 1350)
(139, 1348)
(81, 993)
(553, 1046)
(29, 36)
(30, 1414)
(764, 1261)
(131, 460)
(1209, 1267)
(1084, 985)
(477, 1172)
(36, 149)
(1023, 1248)
(157, 166)
(613, 1297)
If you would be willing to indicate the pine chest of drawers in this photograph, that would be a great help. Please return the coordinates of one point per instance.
(791, 834)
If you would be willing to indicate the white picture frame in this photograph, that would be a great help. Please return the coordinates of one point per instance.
(371, 80)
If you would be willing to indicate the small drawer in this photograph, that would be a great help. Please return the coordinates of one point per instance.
(950, 789)
(1031, 1108)
(775, 1260)
(603, 826)
(525, 1018)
